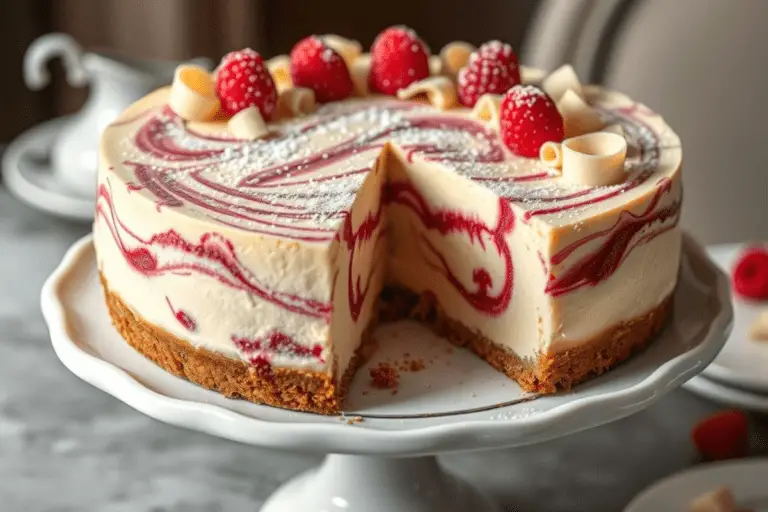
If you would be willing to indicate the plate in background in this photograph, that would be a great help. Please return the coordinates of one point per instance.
(746, 478)
(742, 362)
(28, 175)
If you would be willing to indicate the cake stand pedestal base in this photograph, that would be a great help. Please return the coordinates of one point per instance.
(352, 483)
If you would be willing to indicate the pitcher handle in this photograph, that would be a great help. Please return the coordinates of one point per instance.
(36, 74)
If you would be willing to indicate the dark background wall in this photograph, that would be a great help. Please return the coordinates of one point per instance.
(179, 29)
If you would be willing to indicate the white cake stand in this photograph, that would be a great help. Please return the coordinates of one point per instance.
(382, 449)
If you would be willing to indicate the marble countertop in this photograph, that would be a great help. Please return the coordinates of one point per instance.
(66, 446)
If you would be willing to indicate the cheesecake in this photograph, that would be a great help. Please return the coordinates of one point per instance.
(258, 263)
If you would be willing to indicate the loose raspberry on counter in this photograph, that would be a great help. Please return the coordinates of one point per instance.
(242, 81)
(398, 58)
(750, 274)
(724, 435)
(317, 66)
(528, 119)
(482, 76)
(502, 52)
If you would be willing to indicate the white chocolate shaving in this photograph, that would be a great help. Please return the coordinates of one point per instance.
(551, 154)
(719, 500)
(280, 69)
(193, 93)
(578, 117)
(439, 90)
(758, 331)
(296, 102)
(455, 56)
(488, 109)
(595, 159)
(248, 124)
(435, 65)
(561, 80)
(349, 49)
(359, 71)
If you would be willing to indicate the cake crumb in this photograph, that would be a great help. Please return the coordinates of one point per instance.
(354, 420)
(416, 365)
(384, 376)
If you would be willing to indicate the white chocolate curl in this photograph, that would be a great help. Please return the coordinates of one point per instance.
(488, 109)
(595, 159)
(561, 80)
(435, 65)
(349, 49)
(439, 90)
(280, 69)
(296, 102)
(455, 56)
(248, 124)
(551, 154)
(758, 331)
(359, 71)
(193, 93)
(578, 117)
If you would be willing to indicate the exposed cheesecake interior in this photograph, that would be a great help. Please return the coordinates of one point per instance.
(274, 253)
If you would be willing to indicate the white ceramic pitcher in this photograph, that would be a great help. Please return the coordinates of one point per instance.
(115, 82)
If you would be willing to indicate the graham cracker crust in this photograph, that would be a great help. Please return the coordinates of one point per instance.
(317, 392)
(280, 387)
(548, 373)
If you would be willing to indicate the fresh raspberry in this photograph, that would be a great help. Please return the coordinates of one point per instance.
(724, 435)
(481, 76)
(316, 66)
(502, 52)
(242, 81)
(529, 118)
(750, 274)
(398, 58)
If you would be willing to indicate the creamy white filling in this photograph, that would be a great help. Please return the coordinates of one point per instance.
(532, 323)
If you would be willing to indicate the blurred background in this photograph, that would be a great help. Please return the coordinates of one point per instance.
(182, 29)
(699, 63)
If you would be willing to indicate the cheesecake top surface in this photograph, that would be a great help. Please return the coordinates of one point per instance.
(300, 181)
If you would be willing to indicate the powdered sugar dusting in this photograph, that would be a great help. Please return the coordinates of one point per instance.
(302, 180)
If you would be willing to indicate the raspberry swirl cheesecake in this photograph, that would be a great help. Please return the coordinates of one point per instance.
(255, 223)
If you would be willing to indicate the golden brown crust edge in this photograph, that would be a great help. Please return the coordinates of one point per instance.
(316, 392)
(279, 387)
(549, 372)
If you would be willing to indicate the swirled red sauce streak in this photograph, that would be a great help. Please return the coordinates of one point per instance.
(153, 139)
(276, 200)
(618, 242)
(148, 180)
(634, 183)
(352, 239)
(213, 256)
(452, 221)
(261, 350)
(182, 317)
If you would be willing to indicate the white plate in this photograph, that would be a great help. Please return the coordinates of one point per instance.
(746, 478)
(27, 174)
(724, 394)
(742, 362)
(465, 406)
